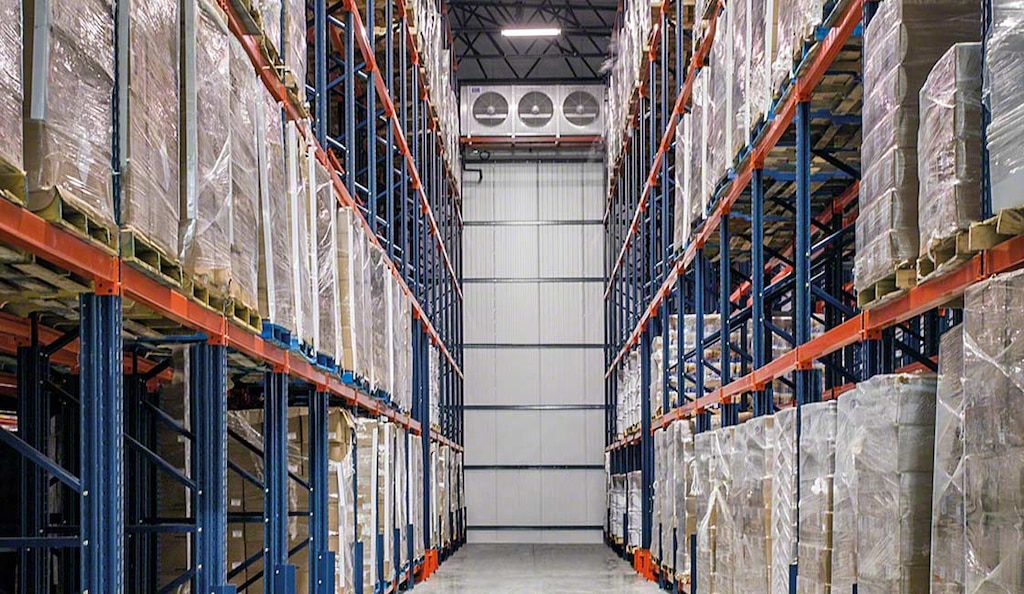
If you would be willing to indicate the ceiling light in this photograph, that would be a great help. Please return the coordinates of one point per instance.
(532, 32)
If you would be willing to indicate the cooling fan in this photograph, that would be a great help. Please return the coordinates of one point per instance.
(490, 109)
(581, 108)
(536, 109)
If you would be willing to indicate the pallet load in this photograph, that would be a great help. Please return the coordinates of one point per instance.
(894, 483)
(993, 447)
(705, 494)
(353, 295)
(947, 537)
(849, 440)
(444, 495)
(950, 158)
(149, 139)
(634, 505)
(69, 78)
(783, 492)
(11, 99)
(203, 239)
(434, 383)
(401, 317)
(761, 48)
(299, 218)
(737, 48)
(723, 480)
(386, 497)
(341, 512)
(327, 304)
(276, 292)
(1005, 102)
(416, 494)
(245, 191)
(903, 43)
(680, 220)
(617, 507)
(752, 497)
(816, 462)
(367, 476)
(717, 134)
(685, 503)
(401, 502)
(658, 488)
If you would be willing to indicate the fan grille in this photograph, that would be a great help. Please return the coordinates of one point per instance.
(536, 109)
(490, 109)
(581, 108)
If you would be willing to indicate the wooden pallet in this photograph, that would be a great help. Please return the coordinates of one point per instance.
(949, 253)
(244, 315)
(142, 254)
(64, 213)
(903, 278)
(12, 183)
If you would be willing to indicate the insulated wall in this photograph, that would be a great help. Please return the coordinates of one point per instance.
(534, 329)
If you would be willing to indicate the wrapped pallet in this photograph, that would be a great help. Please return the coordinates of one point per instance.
(276, 293)
(658, 487)
(434, 378)
(752, 490)
(704, 497)
(341, 512)
(947, 554)
(849, 443)
(617, 507)
(716, 114)
(367, 479)
(245, 102)
(685, 501)
(816, 471)
(323, 218)
(11, 90)
(299, 218)
(416, 494)
(894, 483)
(795, 24)
(386, 496)
(902, 43)
(402, 318)
(401, 499)
(634, 506)
(435, 524)
(1003, 96)
(294, 48)
(723, 474)
(784, 516)
(738, 41)
(67, 125)
(696, 173)
(681, 224)
(204, 238)
(761, 26)
(950, 157)
(994, 435)
(149, 131)
(353, 294)
(444, 494)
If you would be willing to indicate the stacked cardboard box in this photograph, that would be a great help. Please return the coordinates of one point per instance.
(367, 476)
(416, 493)
(903, 41)
(949, 161)
(444, 494)
(276, 294)
(795, 23)
(752, 503)
(894, 483)
(149, 97)
(784, 514)
(617, 506)
(386, 495)
(723, 474)
(353, 294)
(849, 441)
(302, 233)
(173, 500)
(685, 502)
(947, 548)
(434, 378)
(993, 428)
(660, 519)
(11, 87)
(817, 469)
(704, 497)
(341, 512)
(327, 304)
(634, 505)
(244, 239)
(67, 126)
(1003, 96)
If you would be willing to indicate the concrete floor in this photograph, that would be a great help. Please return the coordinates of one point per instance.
(535, 569)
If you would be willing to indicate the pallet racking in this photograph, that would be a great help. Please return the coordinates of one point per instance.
(103, 383)
(776, 239)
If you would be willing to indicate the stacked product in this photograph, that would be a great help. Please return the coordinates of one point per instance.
(428, 24)
(680, 221)
(629, 43)
(386, 496)
(783, 492)
(341, 513)
(443, 483)
(903, 44)
(849, 443)
(204, 240)
(401, 326)
(817, 469)
(617, 506)
(149, 98)
(434, 378)
(10, 90)
(1003, 96)
(634, 498)
(367, 444)
(245, 191)
(435, 487)
(69, 79)
(947, 554)
(277, 297)
(299, 212)
(704, 506)
(172, 498)
(762, 49)
(993, 443)
(737, 39)
(716, 114)
(327, 304)
(894, 483)
(685, 503)
(950, 157)
(659, 487)
(658, 367)
(722, 473)
(795, 23)
(752, 497)
(353, 294)
(380, 354)
(416, 494)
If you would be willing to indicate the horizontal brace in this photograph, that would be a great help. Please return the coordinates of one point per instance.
(17, 543)
(566, 223)
(580, 279)
(545, 528)
(512, 407)
(532, 346)
(534, 467)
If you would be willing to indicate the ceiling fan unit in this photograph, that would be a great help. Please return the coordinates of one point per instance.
(525, 110)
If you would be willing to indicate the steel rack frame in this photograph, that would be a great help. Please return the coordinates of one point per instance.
(770, 257)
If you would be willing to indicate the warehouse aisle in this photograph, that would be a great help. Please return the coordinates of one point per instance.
(535, 569)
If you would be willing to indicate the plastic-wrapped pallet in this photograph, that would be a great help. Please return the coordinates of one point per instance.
(1005, 99)
(353, 293)
(303, 254)
(894, 482)
(434, 378)
(324, 218)
(752, 492)
(658, 487)
(204, 239)
(784, 517)
(69, 79)
(367, 477)
(245, 101)
(993, 466)
(149, 98)
(947, 554)
(795, 23)
(11, 95)
(277, 294)
(444, 494)
(435, 525)
(759, 94)
(704, 497)
(716, 113)
(402, 347)
(416, 494)
(386, 494)
(294, 52)
(737, 110)
(696, 146)
(634, 516)
(902, 45)
(849, 444)
(722, 474)
(817, 468)
(685, 501)
(617, 506)
(950, 157)
(379, 279)
(339, 483)
(681, 229)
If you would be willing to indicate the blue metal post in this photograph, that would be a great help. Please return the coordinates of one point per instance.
(321, 559)
(320, 69)
(279, 576)
(762, 401)
(730, 411)
(699, 311)
(646, 443)
(102, 454)
(802, 251)
(680, 299)
(208, 391)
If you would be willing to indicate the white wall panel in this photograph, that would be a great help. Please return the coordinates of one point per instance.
(479, 252)
(517, 313)
(480, 302)
(480, 440)
(517, 435)
(516, 378)
(561, 248)
(479, 372)
(517, 493)
(562, 377)
(593, 251)
(515, 251)
(560, 318)
(481, 496)
(592, 302)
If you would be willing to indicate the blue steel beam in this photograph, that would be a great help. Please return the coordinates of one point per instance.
(279, 575)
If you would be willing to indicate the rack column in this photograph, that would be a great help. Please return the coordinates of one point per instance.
(805, 391)
(102, 454)
(321, 560)
(278, 575)
(646, 443)
(762, 398)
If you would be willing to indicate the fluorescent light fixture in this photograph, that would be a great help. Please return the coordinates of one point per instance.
(532, 32)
